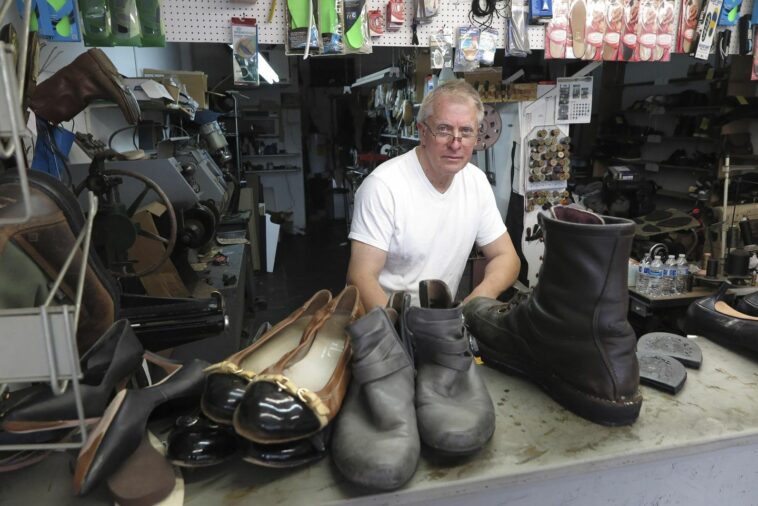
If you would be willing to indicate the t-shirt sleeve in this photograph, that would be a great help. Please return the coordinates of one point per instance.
(491, 224)
(373, 214)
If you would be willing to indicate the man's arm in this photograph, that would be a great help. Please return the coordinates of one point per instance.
(501, 271)
(366, 262)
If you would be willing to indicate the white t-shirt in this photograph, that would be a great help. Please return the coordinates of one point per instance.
(426, 234)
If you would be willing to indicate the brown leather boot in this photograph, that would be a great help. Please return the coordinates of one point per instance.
(89, 77)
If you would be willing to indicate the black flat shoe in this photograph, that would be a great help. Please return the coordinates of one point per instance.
(120, 430)
(749, 304)
(110, 361)
(196, 441)
(713, 318)
(288, 455)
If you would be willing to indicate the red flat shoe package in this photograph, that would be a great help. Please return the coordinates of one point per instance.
(595, 30)
(666, 26)
(647, 31)
(628, 46)
(685, 42)
(557, 31)
(614, 29)
(754, 73)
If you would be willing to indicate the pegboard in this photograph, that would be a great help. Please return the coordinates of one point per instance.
(209, 21)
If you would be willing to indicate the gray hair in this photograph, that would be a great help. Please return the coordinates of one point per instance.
(457, 88)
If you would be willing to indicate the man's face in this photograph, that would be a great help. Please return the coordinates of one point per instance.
(457, 115)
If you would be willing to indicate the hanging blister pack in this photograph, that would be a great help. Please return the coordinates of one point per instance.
(426, 10)
(53, 20)
(302, 30)
(467, 49)
(441, 49)
(357, 36)
(516, 35)
(665, 39)
(557, 30)
(245, 52)
(690, 9)
(487, 46)
(126, 24)
(151, 23)
(331, 26)
(707, 28)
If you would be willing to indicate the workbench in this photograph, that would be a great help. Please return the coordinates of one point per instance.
(697, 448)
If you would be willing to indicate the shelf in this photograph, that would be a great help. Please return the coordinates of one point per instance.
(273, 171)
(679, 110)
(660, 165)
(679, 80)
(402, 137)
(281, 155)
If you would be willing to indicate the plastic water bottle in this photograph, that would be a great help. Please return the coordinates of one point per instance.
(668, 281)
(655, 277)
(682, 273)
(643, 272)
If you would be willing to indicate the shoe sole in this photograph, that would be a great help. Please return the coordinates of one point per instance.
(594, 409)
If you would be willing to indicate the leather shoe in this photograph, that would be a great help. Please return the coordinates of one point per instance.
(454, 410)
(749, 304)
(376, 442)
(288, 455)
(713, 318)
(196, 441)
(227, 380)
(120, 430)
(303, 392)
(112, 359)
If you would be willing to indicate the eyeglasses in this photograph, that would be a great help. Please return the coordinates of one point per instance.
(445, 133)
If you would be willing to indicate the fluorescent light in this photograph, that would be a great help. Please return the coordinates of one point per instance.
(388, 75)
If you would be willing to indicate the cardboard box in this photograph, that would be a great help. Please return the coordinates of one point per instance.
(196, 82)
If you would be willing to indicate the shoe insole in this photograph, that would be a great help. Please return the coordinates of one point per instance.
(354, 32)
(578, 21)
(315, 369)
(298, 13)
(661, 372)
(724, 308)
(327, 16)
(684, 350)
(276, 346)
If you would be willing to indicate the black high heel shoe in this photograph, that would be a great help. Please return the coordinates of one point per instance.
(120, 430)
(111, 360)
(713, 318)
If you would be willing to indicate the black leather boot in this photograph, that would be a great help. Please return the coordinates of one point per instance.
(454, 410)
(376, 441)
(571, 336)
(713, 318)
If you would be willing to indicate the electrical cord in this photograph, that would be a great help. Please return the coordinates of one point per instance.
(114, 134)
(488, 11)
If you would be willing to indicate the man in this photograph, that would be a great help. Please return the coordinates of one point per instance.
(418, 215)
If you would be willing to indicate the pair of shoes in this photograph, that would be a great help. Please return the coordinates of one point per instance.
(227, 380)
(122, 427)
(109, 362)
(388, 412)
(302, 392)
(571, 336)
(713, 318)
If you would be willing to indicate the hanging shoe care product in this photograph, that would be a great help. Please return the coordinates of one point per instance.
(153, 33)
(126, 25)
(578, 20)
(395, 15)
(516, 34)
(357, 36)
(595, 29)
(331, 26)
(665, 35)
(302, 31)
(467, 49)
(245, 52)
(53, 19)
(647, 30)
(628, 47)
(96, 22)
(706, 28)
(556, 32)
(614, 28)
(685, 42)
(376, 23)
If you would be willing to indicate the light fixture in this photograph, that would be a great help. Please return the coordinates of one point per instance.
(388, 75)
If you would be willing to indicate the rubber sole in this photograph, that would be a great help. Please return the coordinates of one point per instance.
(601, 411)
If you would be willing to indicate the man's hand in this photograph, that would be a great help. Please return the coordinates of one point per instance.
(501, 271)
(366, 262)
